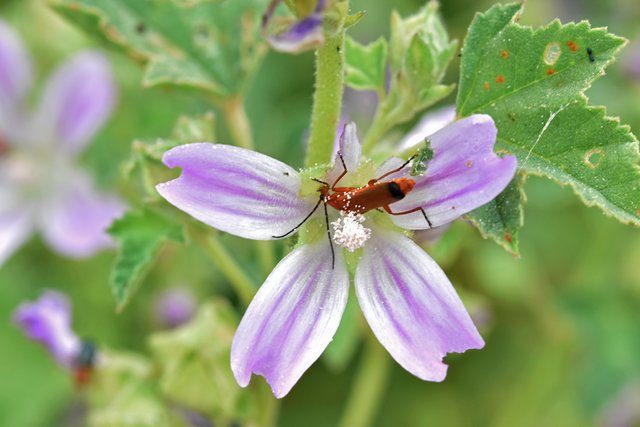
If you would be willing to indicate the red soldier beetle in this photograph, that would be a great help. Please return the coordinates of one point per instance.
(358, 200)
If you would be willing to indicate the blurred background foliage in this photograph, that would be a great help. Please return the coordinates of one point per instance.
(561, 324)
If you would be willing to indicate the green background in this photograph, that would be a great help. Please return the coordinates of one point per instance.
(561, 324)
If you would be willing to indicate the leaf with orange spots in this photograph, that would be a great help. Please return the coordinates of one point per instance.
(215, 47)
(535, 94)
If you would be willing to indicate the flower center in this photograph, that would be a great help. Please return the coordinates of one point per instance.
(349, 232)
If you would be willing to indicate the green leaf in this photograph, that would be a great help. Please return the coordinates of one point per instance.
(140, 235)
(502, 219)
(532, 83)
(194, 362)
(365, 65)
(211, 47)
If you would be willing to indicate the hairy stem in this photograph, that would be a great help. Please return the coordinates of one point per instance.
(327, 100)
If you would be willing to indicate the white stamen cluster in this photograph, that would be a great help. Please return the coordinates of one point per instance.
(349, 232)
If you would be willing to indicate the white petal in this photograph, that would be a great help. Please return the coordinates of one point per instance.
(292, 318)
(236, 190)
(411, 306)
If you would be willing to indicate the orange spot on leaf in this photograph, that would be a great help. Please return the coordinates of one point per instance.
(573, 46)
(508, 237)
(500, 79)
(550, 72)
(487, 86)
(504, 54)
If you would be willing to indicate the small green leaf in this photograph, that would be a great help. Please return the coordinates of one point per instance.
(193, 361)
(140, 235)
(365, 65)
(211, 47)
(419, 53)
(532, 83)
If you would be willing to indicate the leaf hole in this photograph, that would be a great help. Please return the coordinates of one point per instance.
(552, 53)
(593, 158)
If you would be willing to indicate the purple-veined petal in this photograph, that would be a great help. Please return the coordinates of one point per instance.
(16, 77)
(16, 73)
(78, 99)
(463, 175)
(16, 225)
(48, 321)
(350, 148)
(303, 35)
(74, 222)
(292, 318)
(429, 124)
(236, 190)
(411, 306)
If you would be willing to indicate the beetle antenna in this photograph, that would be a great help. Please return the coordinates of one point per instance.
(304, 220)
(393, 171)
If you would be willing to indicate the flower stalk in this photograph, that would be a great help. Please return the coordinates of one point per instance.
(236, 119)
(368, 387)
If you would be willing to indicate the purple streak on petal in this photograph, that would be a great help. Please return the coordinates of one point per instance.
(236, 190)
(350, 149)
(429, 124)
(411, 306)
(74, 224)
(174, 307)
(304, 35)
(77, 101)
(16, 225)
(464, 174)
(16, 77)
(48, 321)
(292, 318)
(15, 69)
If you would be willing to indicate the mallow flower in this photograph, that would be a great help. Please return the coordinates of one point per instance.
(41, 186)
(406, 298)
(48, 322)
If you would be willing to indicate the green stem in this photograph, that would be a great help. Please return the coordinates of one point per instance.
(266, 257)
(269, 406)
(236, 118)
(242, 284)
(327, 100)
(369, 386)
(379, 127)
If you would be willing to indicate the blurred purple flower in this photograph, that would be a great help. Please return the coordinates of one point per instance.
(41, 188)
(174, 307)
(303, 35)
(48, 322)
(631, 60)
(406, 298)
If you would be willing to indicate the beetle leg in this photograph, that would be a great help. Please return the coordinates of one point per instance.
(419, 208)
(344, 172)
